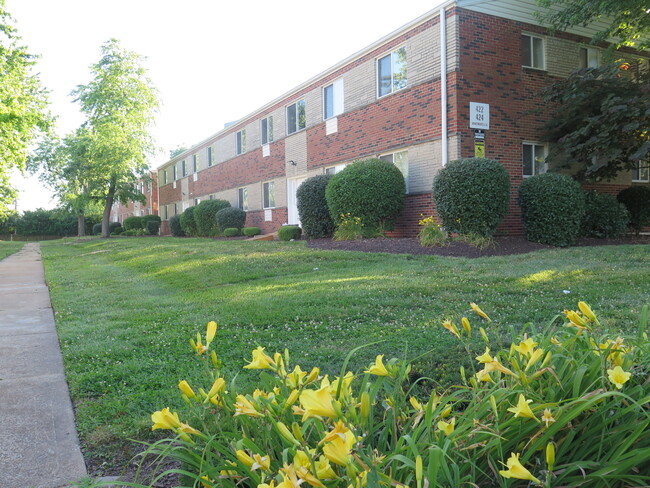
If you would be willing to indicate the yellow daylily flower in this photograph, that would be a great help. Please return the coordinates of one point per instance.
(295, 378)
(304, 474)
(317, 403)
(484, 376)
(260, 360)
(534, 358)
(261, 462)
(324, 469)
(378, 369)
(449, 325)
(485, 357)
(447, 427)
(575, 320)
(586, 311)
(313, 375)
(346, 388)
(526, 347)
(338, 451)
(289, 477)
(218, 385)
(165, 419)
(243, 406)
(479, 312)
(340, 430)
(210, 333)
(415, 404)
(522, 409)
(547, 417)
(186, 389)
(618, 376)
(516, 470)
(495, 365)
(244, 458)
(265, 485)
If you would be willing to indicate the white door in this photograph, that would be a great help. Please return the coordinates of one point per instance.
(292, 202)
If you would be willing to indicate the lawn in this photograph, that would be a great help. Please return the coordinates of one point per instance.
(125, 309)
(8, 248)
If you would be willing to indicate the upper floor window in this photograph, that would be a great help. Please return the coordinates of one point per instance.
(534, 159)
(391, 72)
(333, 99)
(296, 117)
(164, 177)
(589, 57)
(532, 51)
(401, 160)
(195, 164)
(268, 190)
(174, 171)
(210, 160)
(242, 198)
(267, 129)
(641, 173)
(183, 168)
(241, 141)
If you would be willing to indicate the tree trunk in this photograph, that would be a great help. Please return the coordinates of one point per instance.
(110, 197)
(81, 224)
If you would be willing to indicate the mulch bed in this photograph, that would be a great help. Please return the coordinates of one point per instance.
(503, 246)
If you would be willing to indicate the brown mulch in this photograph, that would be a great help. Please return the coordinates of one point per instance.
(503, 246)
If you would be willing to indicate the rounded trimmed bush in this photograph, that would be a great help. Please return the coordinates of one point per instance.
(231, 232)
(230, 217)
(314, 213)
(372, 190)
(97, 229)
(472, 196)
(289, 232)
(153, 227)
(205, 216)
(117, 230)
(637, 201)
(112, 226)
(604, 216)
(133, 223)
(251, 231)
(552, 207)
(188, 223)
(175, 226)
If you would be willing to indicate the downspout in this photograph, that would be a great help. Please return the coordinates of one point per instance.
(443, 83)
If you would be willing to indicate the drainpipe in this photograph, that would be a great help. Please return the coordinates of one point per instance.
(443, 83)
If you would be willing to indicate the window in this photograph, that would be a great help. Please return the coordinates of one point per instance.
(165, 213)
(589, 57)
(209, 156)
(401, 160)
(183, 168)
(534, 157)
(269, 194)
(164, 176)
(296, 119)
(197, 201)
(194, 163)
(242, 198)
(532, 51)
(174, 171)
(333, 99)
(241, 141)
(391, 72)
(267, 130)
(334, 169)
(641, 173)
(212, 197)
(176, 209)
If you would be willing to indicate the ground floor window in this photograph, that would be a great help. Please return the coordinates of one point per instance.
(642, 172)
(401, 160)
(268, 189)
(534, 159)
(242, 198)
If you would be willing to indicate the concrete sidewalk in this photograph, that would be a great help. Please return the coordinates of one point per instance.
(38, 441)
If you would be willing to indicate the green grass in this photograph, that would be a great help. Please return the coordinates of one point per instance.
(125, 309)
(8, 248)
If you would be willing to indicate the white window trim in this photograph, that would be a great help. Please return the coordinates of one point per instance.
(262, 133)
(240, 204)
(638, 171)
(286, 113)
(535, 36)
(263, 202)
(392, 153)
(389, 53)
(589, 48)
(339, 108)
(542, 170)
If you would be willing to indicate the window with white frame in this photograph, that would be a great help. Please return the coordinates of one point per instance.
(401, 160)
(333, 99)
(296, 117)
(268, 191)
(332, 170)
(183, 168)
(164, 176)
(532, 51)
(534, 159)
(589, 57)
(241, 141)
(210, 160)
(174, 172)
(267, 129)
(641, 173)
(195, 164)
(391, 72)
(242, 198)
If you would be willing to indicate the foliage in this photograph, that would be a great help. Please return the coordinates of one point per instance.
(552, 207)
(517, 407)
(119, 104)
(251, 231)
(627, 20)
(23, 106)
(351, 228)
(372, 190)
(152, 227)
(134, 232)
(476, 240)
(314, 213)
(637, 201)
(132, 222)
(97, 229)
(230, 217)
(8, 222)
(472, 195)
(604, 216)
(231, 232)
(188, 223)
(178, 151)
(289, 233)
(600, 121)
(431, 233)
(57, 222)
(175, 226)
(116, 231)
(205, 216)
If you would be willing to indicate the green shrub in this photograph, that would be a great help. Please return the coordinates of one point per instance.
(552, 207)
(289, 232)
(231, 232)
(133, 223)
(188, 223)
(637, 201)
(205, 216)
(175, 226)
(431, 233)
(153, 227)
(351, 228)
(112, 226)
(117, 230)
(315, 217)
(372, 190)
(604, 216)
(97, 229)
(472, 196)
(230, 217)
(150, 218)
(134, 232)
(251, 231)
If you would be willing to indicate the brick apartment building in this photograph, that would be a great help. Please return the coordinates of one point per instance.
(419, 97)
(149, 188)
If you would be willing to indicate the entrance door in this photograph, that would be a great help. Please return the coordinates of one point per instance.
(292, 202)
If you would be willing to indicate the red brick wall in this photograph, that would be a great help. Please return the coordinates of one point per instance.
(255, 218)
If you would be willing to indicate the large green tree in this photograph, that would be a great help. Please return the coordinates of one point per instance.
(119, 103)
(23, 106)
(626, 21)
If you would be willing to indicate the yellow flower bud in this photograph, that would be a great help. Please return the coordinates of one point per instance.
(295, 428)
(586, 311)
(484, 335)
(365, 405)
(293, 396)
(493, 404)
(466, 325)
(286, 433)
(186, 389)
(418, 470)
(550, 455)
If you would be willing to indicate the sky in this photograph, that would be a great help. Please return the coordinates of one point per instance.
(212, 61)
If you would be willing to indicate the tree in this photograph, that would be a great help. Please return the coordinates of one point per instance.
(23, 106)
(627, 21)
(119, 104)
(175, 152)
(601, 120)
